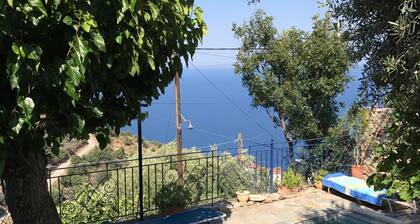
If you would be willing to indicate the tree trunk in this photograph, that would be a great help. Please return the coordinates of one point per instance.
(289, 140)
(26, 190)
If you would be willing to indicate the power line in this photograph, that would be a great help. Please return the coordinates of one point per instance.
(197, 129)
(233, 140)
(223, 143)
(230, 100)
(212, 133)
(224, 48)
(217, 48)
(217, 55)
(307, 140)
(198, 103)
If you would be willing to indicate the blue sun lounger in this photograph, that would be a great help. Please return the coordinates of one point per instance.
(354, 187)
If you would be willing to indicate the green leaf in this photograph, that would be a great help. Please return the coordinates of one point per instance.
(133, 5)
(199, 14)
(22, 51)
(16, 124)
(74, 74)
(118, 39)
(154, 9)
(125, 5)
(68, 20)
(10, 2)
(205, 29)
(92, 23)
(35, 53)
(151, 62)
(37, 4)
(15, 48)
(146, 16)
(99, 41)
(98, 112)
(81, 47)
(134, 68)
(26, 104)
(86, 27)
(13, 78)
(70, 89)
(57, 2)
(103, 140)
(1, 139)
(77, 122)
(120, 16)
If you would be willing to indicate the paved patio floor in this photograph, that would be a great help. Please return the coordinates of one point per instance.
(306, 205)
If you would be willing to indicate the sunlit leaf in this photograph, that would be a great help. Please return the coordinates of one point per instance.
(99, 41)
(151, 62)
(68, 20)
(38, 5)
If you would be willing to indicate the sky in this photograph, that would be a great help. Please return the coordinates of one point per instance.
(204, 90)
(221, 14)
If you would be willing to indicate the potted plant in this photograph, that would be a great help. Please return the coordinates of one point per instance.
(357, 167)
(291, 182)
(242, 195)
(318, 178)
(359, 126)
(172, 198)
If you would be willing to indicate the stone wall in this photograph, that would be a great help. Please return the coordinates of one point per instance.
(378, 119)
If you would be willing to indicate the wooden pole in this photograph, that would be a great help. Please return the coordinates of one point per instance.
(240, 142)
(178, 130)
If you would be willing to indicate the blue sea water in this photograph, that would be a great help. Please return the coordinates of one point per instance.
(214, 118)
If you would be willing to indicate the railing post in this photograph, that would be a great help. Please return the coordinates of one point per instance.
(271, 165)
(212, 177)
(140, 162)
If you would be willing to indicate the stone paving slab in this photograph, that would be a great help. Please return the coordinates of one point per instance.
(303, 206)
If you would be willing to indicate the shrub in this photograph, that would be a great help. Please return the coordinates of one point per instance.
(292, 179)
(321, 174)
(172, 195)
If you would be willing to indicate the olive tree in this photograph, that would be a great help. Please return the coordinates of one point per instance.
(70, 68)
(296, 75)
(386, 36)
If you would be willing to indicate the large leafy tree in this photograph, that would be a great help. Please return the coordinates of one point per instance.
(296, 76)
(73, 67)
(386, 34)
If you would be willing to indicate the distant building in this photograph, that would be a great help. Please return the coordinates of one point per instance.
(277, 173)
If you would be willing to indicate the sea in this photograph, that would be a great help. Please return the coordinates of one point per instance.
(218, 107)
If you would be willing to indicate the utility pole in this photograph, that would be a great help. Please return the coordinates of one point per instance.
(240, 142)
(180, 169)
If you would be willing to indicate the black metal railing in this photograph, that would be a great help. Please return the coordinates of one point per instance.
(110, 190)
(121, 190)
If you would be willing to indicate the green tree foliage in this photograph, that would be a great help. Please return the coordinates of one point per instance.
(367, 28)
(77, 67)
(296, 76)
(387, 35)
